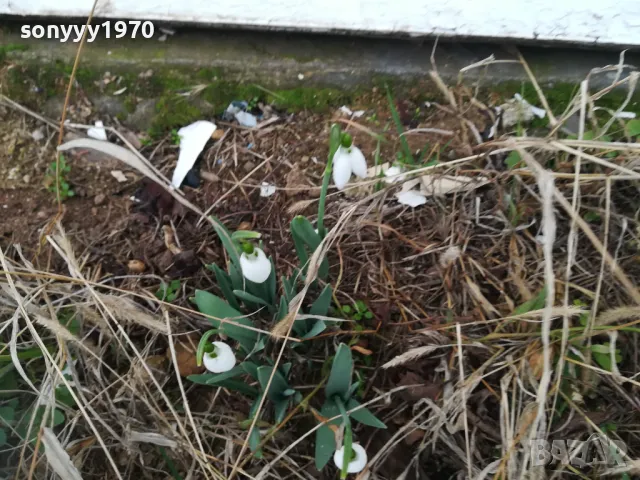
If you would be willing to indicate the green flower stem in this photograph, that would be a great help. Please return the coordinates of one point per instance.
(335, 138)
(202, 345)
(348, 436)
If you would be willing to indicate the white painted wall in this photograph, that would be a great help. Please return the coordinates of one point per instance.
(584, 21)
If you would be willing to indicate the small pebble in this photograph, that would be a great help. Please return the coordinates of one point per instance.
(304, 159)
(99, 199)
(26, 178)
(136, 266)
(41, 214)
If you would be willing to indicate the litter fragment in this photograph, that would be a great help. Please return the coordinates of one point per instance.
(246, 119)
(234, 107)
(119, 176)
(98, 132)
(121, 91)
(519, 110)
(193, 138)
(38, 134)
(350, 113)
(267, 189)
(625, 115)
(411, 198)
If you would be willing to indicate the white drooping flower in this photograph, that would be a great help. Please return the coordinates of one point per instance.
(222, 359)
(256, 267)
(348, 160)
(193, 138)
(358, 462)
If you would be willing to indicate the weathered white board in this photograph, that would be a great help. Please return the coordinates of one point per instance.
(615, 22)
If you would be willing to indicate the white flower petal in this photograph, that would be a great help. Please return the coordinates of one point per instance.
(358, 162)
(357, 464)
(393, 172)
(341, 168)
(256, 267)
(193, 138)
(267, 189)
(98, 132)
(223, 361)
(412, 198)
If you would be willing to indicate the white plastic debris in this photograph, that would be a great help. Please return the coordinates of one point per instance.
(121, 91)
(246, 119)
(300, 76)
(38, 134)
(411, 198)
(449, 256)
(98, 132)
(626, 115)
(519, 110)
(193, 138)
(350, 113)
(267, 189)
(119, 176)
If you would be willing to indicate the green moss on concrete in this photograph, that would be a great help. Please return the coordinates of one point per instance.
(5, 50)
(173, 111)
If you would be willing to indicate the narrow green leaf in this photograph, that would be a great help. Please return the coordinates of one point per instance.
(316, 329)
(224, 282)
(254, 441)
(288, 288)
(227, 241)
(201, 378)
(283, 309)
(536, 303)
(512, 160)
(214, 306)
(231, 384)
(305, 232)
(236, 277)
(280, 409)
(245, 235)
(340, 376)
(3, 437)
(364, 415)
(247, 297)
(278, 384)
(298, 243)
(271, 284)
(220, 377)
(251, 369)
(399, 127)
(58, 417)
(325, 438)
(322, 303)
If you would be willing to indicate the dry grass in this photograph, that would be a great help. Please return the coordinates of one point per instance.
(466, 379)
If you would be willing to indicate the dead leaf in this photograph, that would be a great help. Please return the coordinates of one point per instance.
(321, 419)
(362, 350)
(413, 394)
(57, 457)
(186, 347)
(440, 185)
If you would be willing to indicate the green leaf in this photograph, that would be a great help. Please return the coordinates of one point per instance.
(254, 441)
(271, 284)
(244, 235)
(7, 414)
(280, 409)
(58, 417)
(278, 385)
(214, 306)
(247, 297)
(316, 329)
(340, 376)
(236, 385)
(364, 415)
(288, 288)
(602, 356)
(346, 309)
(224, 282)
(216, 378)
(236, 277)
(227, 241)
(3, 437)
(633, 127)
(536, 303)
(325, 438)
(302, 228)
(322, 303)
(513, 159)
(250, 369)
(399, 127)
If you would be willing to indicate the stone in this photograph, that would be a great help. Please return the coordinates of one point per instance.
(99, 199)
(52, 108)
(109, 105)
(142, 118)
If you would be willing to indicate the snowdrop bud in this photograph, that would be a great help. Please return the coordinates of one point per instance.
(222, 359)
(256, 267)
(357, 464)
(341, 169)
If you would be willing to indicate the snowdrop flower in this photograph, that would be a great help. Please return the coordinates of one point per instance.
(193, 138)
(254, 263)
(218, 357)
(347, 160)
(357, 463)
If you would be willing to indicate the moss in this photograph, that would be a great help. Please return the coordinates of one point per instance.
(173, 111)
(11, 47)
